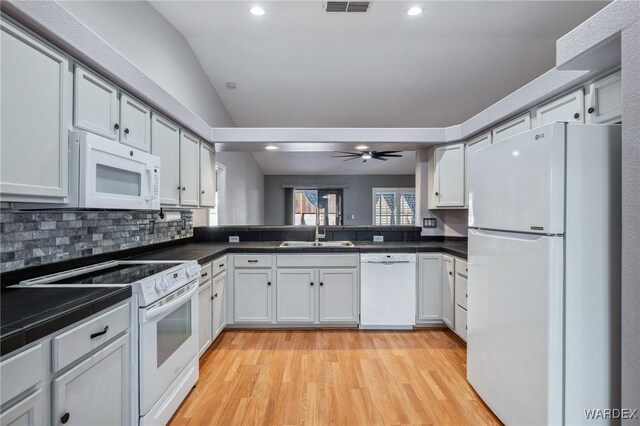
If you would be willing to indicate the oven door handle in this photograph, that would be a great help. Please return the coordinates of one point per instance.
(151, 313)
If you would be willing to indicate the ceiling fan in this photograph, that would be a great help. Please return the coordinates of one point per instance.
(367, 155)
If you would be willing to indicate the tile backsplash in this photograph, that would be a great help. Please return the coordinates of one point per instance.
(42, 237)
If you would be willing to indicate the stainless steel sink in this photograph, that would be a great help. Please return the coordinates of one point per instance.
(317, 244)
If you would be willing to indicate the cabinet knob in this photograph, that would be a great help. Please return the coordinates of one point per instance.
(215, 295)
(576, 115)
(311, 284)
(203, 192)
(591, 110)
(178, 188)
(450, 273)
(126, 131)
(184, 188)
(65, 418)
(116, 126)
(437, 193)
(269, 283)
(321, 284)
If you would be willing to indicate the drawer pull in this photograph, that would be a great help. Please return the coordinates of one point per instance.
(252, 261)
(98, 334)
(221, 265)
(65, 418)
(204, 274)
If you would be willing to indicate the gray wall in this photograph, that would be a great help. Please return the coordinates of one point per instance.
(144, 37)
(631, 220)
(241, 190)
(357, 194)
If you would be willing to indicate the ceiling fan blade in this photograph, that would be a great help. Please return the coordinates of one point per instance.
(391, 155)
(380, 158)
(385, 152)
(350, 155)
(352, 158)
(347, 152)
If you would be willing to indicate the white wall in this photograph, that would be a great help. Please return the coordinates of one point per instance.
(241, 190)
(144, 37)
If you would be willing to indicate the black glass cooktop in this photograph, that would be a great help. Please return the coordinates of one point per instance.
(123, 273)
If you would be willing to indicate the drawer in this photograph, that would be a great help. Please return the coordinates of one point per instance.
(317, 260)
(253, 261)
(21, 372)
(205, 272)
(461, 267)
(461, 290)
(461, 323)
(84, 338)
(219, 265)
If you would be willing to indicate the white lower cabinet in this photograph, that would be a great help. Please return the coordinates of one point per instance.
(461, 322)
(252, 292)
(429, 288)
(204, 316)
(295, 295)
(218, 304)
(448, 291)
(96, 391)
(460, 285)
(28, 412)
(338, 294)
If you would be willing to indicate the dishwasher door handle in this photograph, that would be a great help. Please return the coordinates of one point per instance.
(393, 262)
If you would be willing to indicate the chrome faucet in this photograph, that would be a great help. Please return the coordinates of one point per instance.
(318, 234)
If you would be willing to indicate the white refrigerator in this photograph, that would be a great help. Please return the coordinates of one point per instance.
(543, 340)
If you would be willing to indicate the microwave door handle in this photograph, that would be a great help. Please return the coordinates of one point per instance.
(149, 171)
(151, 313)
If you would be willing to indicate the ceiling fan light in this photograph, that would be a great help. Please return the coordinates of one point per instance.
(366, 156)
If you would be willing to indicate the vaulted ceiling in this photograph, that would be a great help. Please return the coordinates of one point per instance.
(297, 66)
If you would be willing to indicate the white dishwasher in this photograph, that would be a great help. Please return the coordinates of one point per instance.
(387, 290)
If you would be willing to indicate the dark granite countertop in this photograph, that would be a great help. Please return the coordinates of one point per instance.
(29, 314)
(206, 252)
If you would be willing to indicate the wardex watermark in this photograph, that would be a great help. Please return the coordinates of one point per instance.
(611, 413)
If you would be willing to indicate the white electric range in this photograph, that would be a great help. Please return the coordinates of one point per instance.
(166, 321)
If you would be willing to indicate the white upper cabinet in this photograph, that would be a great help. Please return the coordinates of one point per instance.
(165, 143)
(605, 100)
(449, 179)
(478, 143)
(512, 127)
(207, 176)
(569, 108)
(189, 169)
(135, 123)
(95, 105)
(35, 106)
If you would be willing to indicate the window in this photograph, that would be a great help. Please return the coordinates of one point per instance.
(328, 203)
(394, 206)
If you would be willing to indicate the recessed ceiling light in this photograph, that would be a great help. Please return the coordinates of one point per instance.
(362, 147)
(231, 85)
(414, 11)
(270, 147)
(257, 11)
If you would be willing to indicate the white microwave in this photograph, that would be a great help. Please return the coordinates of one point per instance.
(109, 175)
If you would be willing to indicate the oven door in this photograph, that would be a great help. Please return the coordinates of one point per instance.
(168, 342)
(113, 175)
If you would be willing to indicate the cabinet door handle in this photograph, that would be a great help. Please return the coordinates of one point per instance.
(100, 333)
(116, 126)
(321, 284)
(65, 418)
(450, 273)
(252, 261)
(178, 187)
(126, 131)
(269, 283)
(576, 115)
(311, 284)
(204, 274)
(184, 188)
(591, 110)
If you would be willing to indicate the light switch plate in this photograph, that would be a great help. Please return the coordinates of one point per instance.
(235, 239)
(378, 238)
(429, 222)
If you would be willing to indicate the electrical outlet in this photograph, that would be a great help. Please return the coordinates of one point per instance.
(429, 222)
(152, 227)
(378, 239)
(235, 239)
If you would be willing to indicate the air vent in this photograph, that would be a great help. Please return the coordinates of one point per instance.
(346, 6)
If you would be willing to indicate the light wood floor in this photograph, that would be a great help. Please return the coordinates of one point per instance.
(337, 377)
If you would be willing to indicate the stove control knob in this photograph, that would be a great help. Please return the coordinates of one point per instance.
(159, 286)
(166, 283)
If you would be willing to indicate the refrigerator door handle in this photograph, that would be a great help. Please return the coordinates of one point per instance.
(516, 236)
